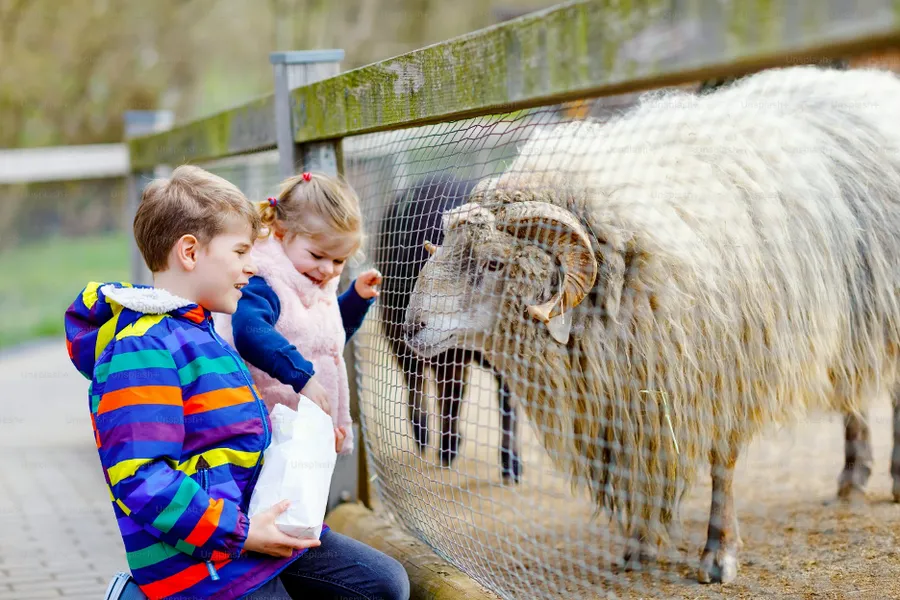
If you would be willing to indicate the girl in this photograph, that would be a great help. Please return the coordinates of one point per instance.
(290, 328)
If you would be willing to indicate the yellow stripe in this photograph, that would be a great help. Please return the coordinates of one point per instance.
(89, 296)
(126, 468)
(124, 508)
(107, 331)
(140, 326)
(219, 457)
(117, 501)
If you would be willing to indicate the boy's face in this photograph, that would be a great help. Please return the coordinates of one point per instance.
(223, 267)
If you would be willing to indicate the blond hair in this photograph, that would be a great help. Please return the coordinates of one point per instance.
(192, 201)
(331, 199)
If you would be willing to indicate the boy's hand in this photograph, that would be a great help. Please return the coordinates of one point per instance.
(263, 536)
(340, 434)
(365, 284)
(315, 392)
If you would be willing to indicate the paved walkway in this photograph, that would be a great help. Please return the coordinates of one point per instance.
(59, 538)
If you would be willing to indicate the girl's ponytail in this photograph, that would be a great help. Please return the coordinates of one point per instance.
(268, 214)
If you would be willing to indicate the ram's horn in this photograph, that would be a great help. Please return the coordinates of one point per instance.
(560, 231)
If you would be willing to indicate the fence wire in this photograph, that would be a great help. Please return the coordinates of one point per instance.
(545, 459)
(542, 459)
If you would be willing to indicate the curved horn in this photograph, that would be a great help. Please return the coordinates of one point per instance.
(560, 230)
(429, 247)
(470, 212)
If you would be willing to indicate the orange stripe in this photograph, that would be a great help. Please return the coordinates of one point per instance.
(96, 433)
(69, 348)
(196, 315)
(147, 394)
(216, 399)
(177, 582)
(207, 524)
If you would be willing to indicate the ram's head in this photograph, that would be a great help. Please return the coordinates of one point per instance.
(509, 255)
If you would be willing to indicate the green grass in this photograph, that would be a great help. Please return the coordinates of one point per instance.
(39, 281)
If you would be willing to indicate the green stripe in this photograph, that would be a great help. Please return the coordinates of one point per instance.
(138, 559)
(183, 546)
(132, 361)
(168, 517)
(95, 402)
(100, 372)
(204, 366)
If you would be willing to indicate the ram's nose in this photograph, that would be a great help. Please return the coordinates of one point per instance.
(412, 327)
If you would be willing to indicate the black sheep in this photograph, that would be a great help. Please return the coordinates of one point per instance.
(413, 218)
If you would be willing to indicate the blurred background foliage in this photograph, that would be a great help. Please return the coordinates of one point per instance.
(71, 68)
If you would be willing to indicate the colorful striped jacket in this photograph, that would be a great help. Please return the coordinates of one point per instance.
(180, 430)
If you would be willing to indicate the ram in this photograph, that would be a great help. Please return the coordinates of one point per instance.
(658, 289)
(413, 217)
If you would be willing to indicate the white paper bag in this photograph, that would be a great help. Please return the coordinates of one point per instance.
(297, 466)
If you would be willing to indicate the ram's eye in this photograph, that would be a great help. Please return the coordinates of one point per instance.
(494, 265)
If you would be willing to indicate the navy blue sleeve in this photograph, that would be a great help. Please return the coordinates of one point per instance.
(257, 341)
(353, 310)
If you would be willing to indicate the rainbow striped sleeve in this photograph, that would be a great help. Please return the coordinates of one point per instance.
(139, 420)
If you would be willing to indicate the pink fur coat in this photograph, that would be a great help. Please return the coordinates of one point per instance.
(310, 319)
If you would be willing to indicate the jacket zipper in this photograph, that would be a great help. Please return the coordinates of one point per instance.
(259, 403)
(204, 483)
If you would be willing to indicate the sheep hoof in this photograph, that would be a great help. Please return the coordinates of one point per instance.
(636, 561)
(718, 566)
(849, 493)
(637, 555)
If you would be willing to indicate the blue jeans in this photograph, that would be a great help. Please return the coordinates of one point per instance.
(341, 568)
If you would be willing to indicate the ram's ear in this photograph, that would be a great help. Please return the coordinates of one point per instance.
(560, 326)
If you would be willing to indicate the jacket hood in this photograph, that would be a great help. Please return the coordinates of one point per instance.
(93, 319)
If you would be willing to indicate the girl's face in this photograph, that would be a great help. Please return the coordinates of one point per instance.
(320, 258)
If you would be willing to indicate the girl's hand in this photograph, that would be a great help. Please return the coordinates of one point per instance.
(366, 282)
(264, 537)
(315, 392)
(340, 434)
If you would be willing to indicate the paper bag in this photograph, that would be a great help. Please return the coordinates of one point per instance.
(297, 466)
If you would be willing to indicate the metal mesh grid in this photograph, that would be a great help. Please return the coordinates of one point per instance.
(536, 533)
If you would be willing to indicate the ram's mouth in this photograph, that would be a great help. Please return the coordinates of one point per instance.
(426, 346)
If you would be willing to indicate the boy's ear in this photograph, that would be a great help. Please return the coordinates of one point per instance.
(185, 251)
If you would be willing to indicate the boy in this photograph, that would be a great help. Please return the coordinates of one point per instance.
(179, 427)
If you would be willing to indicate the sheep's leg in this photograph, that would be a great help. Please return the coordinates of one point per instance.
(895, 455)
(413, 372)
(510, 465)
(451, 383)
(718, 563)
(857, 457)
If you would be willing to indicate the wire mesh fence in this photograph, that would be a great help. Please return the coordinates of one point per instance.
(625, 308)
(609, 330)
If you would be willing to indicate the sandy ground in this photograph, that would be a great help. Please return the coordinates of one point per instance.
(538, 540)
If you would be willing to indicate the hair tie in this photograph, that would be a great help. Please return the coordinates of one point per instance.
(273, 201)
(307, 177)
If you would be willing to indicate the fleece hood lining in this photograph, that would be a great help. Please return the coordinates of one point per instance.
(151, 301)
